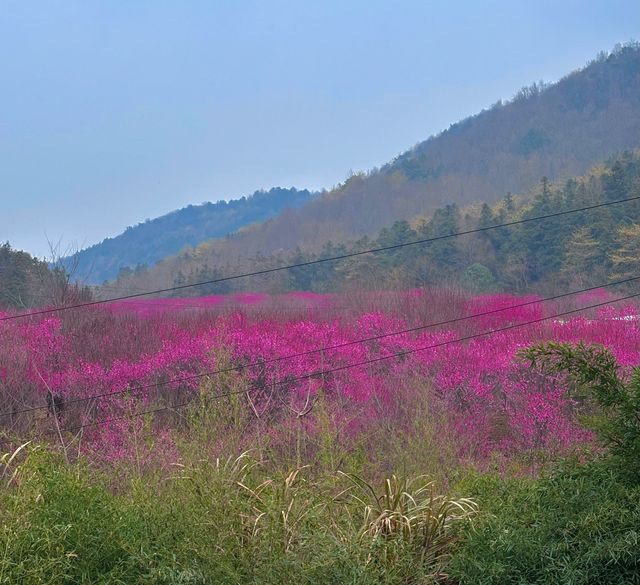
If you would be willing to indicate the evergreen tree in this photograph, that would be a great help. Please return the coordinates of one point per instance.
(584, 261)
(626, 256)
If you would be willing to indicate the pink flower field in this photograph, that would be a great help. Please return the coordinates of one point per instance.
(279, 355)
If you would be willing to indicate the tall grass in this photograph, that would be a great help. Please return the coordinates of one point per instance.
(408, 519)
(207, 520)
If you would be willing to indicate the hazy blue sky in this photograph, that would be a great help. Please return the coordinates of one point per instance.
(120, 110)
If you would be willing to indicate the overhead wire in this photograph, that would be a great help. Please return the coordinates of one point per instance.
(139, 388)
(316, 261)
(369, 361)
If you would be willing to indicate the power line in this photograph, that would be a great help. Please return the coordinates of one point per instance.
(319, 373)
(318, 261)
(137, 389)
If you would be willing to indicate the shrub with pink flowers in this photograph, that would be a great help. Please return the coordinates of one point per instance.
(151, 356)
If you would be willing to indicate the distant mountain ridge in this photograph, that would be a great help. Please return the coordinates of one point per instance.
(148, 242)
(555, 131)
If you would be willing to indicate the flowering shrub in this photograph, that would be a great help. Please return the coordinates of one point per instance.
(493, 401)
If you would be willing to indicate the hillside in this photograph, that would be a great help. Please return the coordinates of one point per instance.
(575, 250)
(556, 131)
(148, 242)
(27, 282)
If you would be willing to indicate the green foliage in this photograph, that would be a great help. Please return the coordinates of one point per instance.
(596, 373)
(579, 526)
(26, 281)
(59, 528)
(478, 279)
(626, 256)
(208, 521)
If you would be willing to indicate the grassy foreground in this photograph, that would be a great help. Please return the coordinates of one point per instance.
(215, 521)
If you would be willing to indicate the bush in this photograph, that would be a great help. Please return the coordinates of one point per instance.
(579, 526)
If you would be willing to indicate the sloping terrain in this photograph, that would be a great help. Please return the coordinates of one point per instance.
(148, 242)
(554, 131)
(569, 251)
(557, 132)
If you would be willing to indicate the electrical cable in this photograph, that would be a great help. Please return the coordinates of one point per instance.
(314, 262)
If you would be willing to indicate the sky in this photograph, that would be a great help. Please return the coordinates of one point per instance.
(115, 111)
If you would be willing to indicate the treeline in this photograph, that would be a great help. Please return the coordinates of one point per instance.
(574, 250)
(27, 282)
(21, 277)
(577, 249)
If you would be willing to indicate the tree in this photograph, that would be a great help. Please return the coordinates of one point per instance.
(583, 259)
(544, 239)
(596, 375)
(362, 272)
(61, 282)
(614, 183)
(515, 270)
(626, 256)
(444, 254)
(26, 281)
(478, 279)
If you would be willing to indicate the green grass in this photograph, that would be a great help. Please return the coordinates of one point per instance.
(208, 522)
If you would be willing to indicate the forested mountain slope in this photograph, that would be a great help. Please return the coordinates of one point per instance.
(554, 131)
(574, 250)
(148, 242)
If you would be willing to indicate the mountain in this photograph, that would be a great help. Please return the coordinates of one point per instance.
(570, 251)
(146, 243)
(555, 131)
